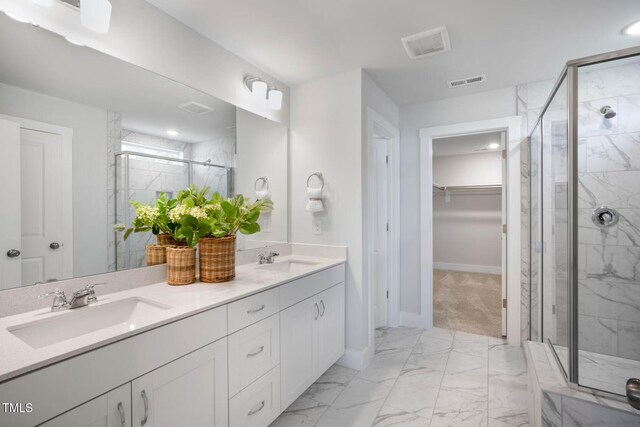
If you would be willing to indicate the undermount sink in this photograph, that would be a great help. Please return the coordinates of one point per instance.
(74, 323)
(289, 266)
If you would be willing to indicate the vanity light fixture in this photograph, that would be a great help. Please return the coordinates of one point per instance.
(274, 99)
(173, 132)
(494, 146)
(96, 15)
(632, 29)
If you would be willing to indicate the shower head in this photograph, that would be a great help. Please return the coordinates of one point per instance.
(608, 112)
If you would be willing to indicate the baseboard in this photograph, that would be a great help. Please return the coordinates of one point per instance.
(470, 268)
(356, 359)
(412, 319)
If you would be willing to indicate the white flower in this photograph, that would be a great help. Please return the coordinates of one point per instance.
(147, 214)
(178, 212)
(198, 213)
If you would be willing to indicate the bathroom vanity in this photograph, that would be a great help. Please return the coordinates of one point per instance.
(232, 354)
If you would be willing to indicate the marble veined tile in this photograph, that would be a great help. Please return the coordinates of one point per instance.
(468, 373)
(430, 345)
(386, 366)
(457, 407)
(615, 80)
(329, 386)
(416, 391)
(436, 361)
(628, 227)
(467, 343)
(629, 113)
(302, 412)
(551, 408)
(506, 359)
(508, 398)
(608, 153)
(397, 338)
(357, 406)
(580, 413)
(613, 263)
(592, 122)
(618, 190)
(389, 416)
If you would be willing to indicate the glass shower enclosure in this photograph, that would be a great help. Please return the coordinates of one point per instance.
(585, 221)
(143, 177)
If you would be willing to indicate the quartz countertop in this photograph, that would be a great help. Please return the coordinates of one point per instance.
(19, 358)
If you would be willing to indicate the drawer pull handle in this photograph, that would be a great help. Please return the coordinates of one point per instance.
(322, 303)
(255, 411)
(255, 353)
(123, 420)
(145, 400)
(256, 310)
(317, 312)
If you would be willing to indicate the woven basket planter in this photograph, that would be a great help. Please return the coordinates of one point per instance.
(166, 239)
(181, 265)
(217, 259)
(156, 254)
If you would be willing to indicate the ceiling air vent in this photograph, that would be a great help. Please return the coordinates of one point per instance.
(427, 43)
(467, 81)
(195, 107)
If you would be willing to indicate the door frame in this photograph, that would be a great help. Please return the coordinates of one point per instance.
(67, 179)
(377, 125)
(513, 128)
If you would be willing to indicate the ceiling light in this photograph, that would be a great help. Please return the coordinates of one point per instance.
(633, 29)
(47, 3)
(96, 15)
(494, 146)
(275, 99)
(172, 132)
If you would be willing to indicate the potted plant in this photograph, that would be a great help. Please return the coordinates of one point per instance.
(155, 218)
(213, 224)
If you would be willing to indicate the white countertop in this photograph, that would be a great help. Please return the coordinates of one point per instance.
(18, 358)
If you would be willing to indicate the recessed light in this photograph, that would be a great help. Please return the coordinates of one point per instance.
(632, 30)
(172, 132)
(494, 146)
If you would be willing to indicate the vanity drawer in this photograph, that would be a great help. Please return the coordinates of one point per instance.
(253, 352)
(249, 310)
(293, 292)
(257, 405)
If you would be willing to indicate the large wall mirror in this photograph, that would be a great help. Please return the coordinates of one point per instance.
(82, 134)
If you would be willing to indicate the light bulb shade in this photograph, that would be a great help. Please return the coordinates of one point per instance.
(46, 3)
(96, 15)
(275, 99)
(259, 89)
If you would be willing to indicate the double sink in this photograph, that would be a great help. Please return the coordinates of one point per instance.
(125, 313)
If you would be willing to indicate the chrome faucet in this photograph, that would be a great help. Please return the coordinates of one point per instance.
(80, 298)
(267, 257)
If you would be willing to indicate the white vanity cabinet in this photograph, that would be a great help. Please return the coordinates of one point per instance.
(112, 409)
(190, 391)
(312, 339)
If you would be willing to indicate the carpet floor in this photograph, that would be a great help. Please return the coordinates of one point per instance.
(468, 302)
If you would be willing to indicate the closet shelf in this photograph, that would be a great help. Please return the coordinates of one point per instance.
(467, 187)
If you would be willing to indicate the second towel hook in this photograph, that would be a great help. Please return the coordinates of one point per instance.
(265, 183)
(319, 176)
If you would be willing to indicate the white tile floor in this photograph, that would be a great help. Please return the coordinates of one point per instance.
(421, 378)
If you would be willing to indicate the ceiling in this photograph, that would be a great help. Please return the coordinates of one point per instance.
(511, 41)
(147, 101)
(467, 144)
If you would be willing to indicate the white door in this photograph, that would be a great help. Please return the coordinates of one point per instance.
(10, 240)
(504, 234)
(380, 243)
(331, 327)
(109, 410)
(298, 349)
(190, 391)
(42, 188)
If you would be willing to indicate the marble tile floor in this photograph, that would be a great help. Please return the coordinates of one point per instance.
(419, 377)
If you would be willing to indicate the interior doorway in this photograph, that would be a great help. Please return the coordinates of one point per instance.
(469, 241)
(380, 268)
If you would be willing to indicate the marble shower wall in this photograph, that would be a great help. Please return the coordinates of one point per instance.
(530, 100)
(609, 163)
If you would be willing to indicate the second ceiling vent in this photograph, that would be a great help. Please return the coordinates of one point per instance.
(427, 43)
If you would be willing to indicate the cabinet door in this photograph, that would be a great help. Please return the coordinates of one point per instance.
(109, 410)
(190, 391)
(331, 325)
(298, 350)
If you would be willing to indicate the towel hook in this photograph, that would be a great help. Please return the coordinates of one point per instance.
(265, 183)
(320, 177)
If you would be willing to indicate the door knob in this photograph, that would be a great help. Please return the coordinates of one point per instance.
(13, 253)
(54, 245)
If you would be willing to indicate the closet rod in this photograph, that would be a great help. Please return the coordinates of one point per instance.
(467, 187)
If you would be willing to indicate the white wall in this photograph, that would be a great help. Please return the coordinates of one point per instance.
(89, 126)
(262, 151)
(482, 106)
(328, 122)
(145, 36)
(468, 169)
